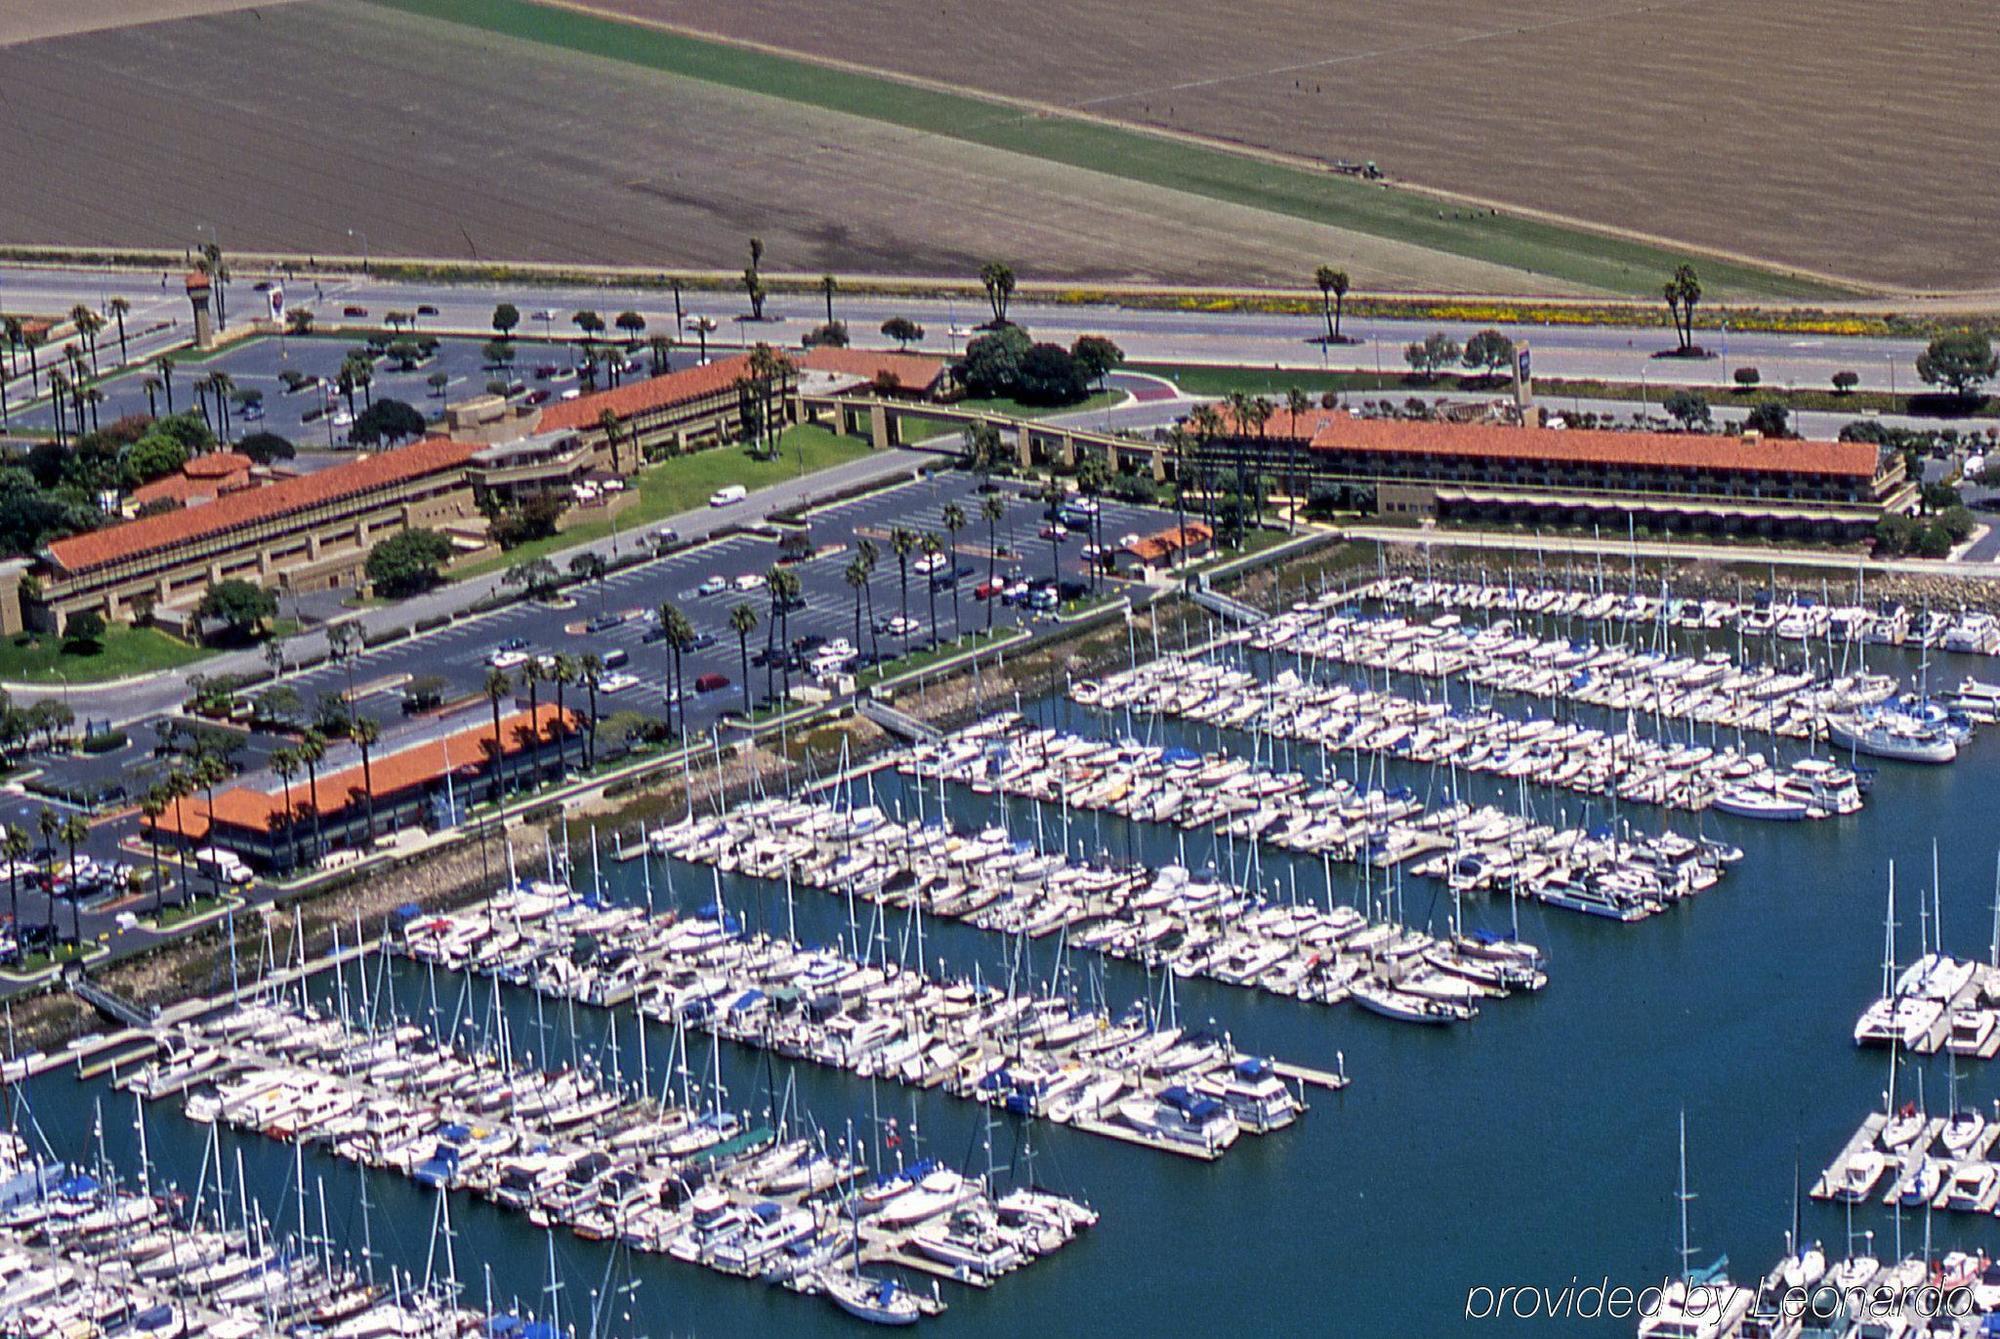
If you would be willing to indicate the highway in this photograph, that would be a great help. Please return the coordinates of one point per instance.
(1249, 339)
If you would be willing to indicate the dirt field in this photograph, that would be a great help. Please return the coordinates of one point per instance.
(1845, 136)
(436, 140)
(32, 20)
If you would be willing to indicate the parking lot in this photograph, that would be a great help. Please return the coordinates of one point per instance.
(616, 618)
(260, 363)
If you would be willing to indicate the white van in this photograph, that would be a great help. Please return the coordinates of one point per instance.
(723, 497)
(221, 865)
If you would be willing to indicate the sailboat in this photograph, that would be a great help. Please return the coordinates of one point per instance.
(1700, 1304)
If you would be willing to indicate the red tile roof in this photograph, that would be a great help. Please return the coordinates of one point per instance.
(912, 372)
(217, 465)
(636, 397)
(247, 807)
(1163, 544)
(1334, 430)
(152, 534)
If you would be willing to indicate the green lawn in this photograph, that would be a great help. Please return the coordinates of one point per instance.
(125, 651)
(685, 482)
(1613, 264)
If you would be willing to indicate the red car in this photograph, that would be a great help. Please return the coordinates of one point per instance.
(709, 683)
(986, 590)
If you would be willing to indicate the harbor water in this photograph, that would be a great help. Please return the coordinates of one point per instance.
(1535, 1146)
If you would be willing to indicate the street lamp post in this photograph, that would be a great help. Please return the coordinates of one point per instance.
(362, 233)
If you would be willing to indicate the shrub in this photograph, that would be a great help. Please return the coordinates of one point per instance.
(104, 741)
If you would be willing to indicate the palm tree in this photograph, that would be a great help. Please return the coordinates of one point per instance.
(49, 825)
(75, 832)
(165, 362)
(669, 615)
(151, 385)
(180, 787)
(608, 423)
(680, 636)
(901, 541)
(1297, 402)
(562, 673)
(869, 555)
(364, 732)
(531, 677)
(1052, 498)
(992, 508)
(661, 345)
(856, 576)
(591, 670)
(784, 586)
(1177, 449)
(498, 686)
(15, 845)
(1091, 476)
(954, 521)
(119, 306)
(312, 752)
(1332, 286)
(932, 547)
(1261, 410)
(743, 622)
(828, 286)
(285, 762)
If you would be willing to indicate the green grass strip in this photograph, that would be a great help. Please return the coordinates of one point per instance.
(1613, 264)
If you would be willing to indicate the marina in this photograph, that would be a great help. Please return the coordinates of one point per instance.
(1138, 1076)
(1474, 849)
(1621, 764)
(794, 948)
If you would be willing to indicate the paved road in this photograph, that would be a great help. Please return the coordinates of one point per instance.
(1245, 338)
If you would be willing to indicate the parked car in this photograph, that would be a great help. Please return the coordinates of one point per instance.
(715, 585)
(604, 622)
(539, 395)
(425, 309)
(353, 311)
(710, 683)
(986, 590)
(724, 497)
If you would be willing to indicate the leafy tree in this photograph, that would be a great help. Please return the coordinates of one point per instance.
(388, 421)
(506, 317)
(1488, 349)
(1333, 286)
(1096, 357)
(903, 330)
(536, 576)
(1844, 382)
(1960, 362)
(1050, 376)
(1747, 377)
(299, 320)
(239, 605)
(832, 335)
(153, 456)
(266, 447)
(84, 630)
(497, 352)
(998, 279)
(632, 324)
(407, 562)
(1689, 409)
(1432, 354)
(992, 363)
(1770, 419)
